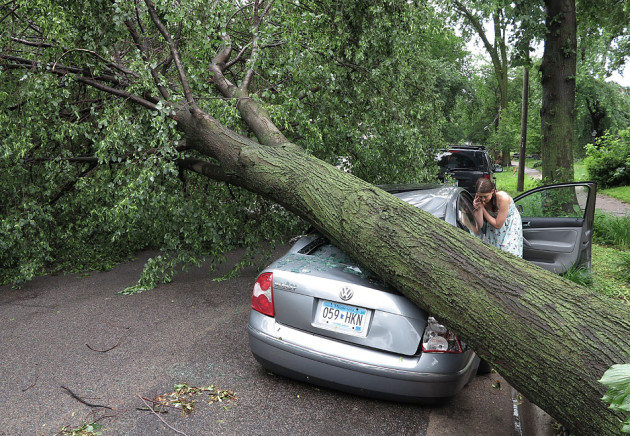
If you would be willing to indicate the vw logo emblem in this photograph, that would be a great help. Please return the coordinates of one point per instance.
(346, 293)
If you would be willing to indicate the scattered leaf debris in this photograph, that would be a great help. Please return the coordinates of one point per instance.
(184, 397)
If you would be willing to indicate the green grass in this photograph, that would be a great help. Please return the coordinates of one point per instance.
(579, 172)
(612, 230)
(610, 256)
(508, 180)
(620, 193)
(609, 275)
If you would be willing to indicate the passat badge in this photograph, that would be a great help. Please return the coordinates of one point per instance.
(346, 293)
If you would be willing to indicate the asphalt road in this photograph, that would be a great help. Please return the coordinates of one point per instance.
(73, 334)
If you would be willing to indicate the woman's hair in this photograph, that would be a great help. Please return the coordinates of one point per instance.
(484, 186)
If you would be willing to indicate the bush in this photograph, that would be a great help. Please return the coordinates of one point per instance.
(608, 160)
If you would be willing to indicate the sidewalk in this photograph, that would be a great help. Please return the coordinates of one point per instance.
(603, 202)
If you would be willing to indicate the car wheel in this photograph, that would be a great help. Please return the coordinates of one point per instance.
(484, 367)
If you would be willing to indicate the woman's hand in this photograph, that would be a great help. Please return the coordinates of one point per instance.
(477, 202)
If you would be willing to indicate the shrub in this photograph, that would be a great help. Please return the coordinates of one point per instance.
(608, 160)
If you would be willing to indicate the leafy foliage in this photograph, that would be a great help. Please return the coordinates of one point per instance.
(91, 429)
(600, 107)
(608, 160)
(88, 179)
(617, 379)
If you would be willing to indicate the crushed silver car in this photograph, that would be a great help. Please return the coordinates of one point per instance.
(318, 317)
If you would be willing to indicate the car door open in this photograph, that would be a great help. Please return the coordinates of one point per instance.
(558, 225)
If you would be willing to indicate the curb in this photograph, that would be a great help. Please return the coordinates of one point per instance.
(529, 419)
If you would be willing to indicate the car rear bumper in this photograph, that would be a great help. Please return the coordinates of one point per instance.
(311, 358)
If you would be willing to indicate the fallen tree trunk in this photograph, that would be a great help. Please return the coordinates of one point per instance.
(551, 339)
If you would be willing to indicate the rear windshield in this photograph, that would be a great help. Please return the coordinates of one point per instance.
(462, 160)
(321, 248)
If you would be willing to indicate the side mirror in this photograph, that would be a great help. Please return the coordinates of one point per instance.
(497, 168)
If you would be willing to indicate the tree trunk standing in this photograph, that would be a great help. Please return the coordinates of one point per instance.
(501, 71)
(520, 184)
(558, 82)
(551, 339)
(498, 54)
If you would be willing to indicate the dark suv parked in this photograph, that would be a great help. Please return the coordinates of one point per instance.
(465, 164)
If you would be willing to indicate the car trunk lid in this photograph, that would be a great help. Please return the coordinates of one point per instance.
(326, 293)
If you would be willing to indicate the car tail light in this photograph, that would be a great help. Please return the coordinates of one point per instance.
(262, 297)
(486, 176)
(438, 339)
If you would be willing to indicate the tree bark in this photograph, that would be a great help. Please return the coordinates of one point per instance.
(558, 82)
(520, 184)
(552, 340)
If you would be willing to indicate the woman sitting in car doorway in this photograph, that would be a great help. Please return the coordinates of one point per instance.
(504, 228)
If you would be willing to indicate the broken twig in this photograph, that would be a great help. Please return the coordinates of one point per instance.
(155, 413)
(32, 384)
(103, 351)
(81, 400)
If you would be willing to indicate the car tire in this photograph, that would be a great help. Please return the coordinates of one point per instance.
(484, 367)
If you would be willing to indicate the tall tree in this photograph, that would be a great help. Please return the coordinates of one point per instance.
(602, 48)
(603, 40)
(157, 61)
(558, 73)
(523, 143)
(476, 14)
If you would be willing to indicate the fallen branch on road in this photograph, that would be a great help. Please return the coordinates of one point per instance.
(160, 418)
(81, 400)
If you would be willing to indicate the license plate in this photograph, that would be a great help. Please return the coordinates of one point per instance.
(343, 318)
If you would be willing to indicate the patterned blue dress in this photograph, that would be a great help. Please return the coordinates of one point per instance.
(510, 236)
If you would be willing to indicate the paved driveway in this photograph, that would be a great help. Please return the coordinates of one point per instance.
(73, 334)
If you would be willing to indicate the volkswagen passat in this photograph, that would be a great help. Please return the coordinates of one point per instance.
(318, 317)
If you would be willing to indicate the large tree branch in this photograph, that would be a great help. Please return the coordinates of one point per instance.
(95, 82)
(182, 146)
(258, 19)
(11, 11)
(105, 61)
(31, 43)
(256, 117)
(55, 68)
(208, 169)
(70, 185)
(534, 324)
(478, 26)
(176, 58)
(119, 93)
(142, 48)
